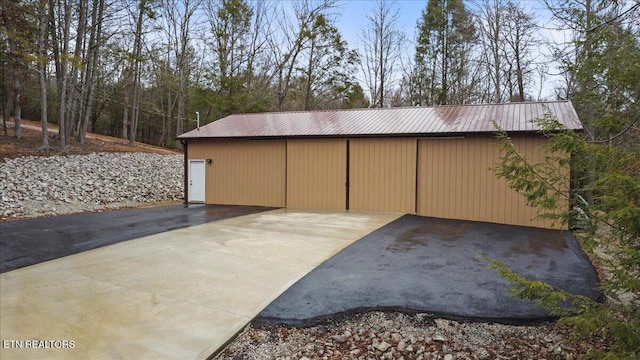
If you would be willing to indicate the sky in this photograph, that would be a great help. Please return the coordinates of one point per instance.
(352, 18)
(353, 13)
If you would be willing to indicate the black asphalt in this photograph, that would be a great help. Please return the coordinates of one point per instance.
(28, 242)
(419, 264)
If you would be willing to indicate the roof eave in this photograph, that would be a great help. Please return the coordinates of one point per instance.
(343, 136)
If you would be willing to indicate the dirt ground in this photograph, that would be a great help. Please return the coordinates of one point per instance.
(30, 142)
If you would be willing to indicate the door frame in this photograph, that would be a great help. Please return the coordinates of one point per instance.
(190, 181)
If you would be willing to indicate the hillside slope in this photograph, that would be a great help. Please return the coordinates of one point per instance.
(31, 140)
(103, 174)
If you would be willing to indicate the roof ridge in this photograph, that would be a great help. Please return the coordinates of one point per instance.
(399, 107)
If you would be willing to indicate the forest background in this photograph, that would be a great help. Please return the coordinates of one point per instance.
(143, 69)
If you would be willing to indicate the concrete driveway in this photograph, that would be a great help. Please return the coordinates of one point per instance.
(179, 294)
(28, 242)
(419, 264)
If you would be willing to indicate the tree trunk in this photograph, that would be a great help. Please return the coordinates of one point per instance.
(16, 89)
(74, 107)
(519, 78)
(444, 67)
(125, 111)
(125, 119)
(3, 101)
(17, 99)
(93, 57)
(495, 44)
(43, 31)
(183, 76)
(135, 97)
(382, 66)
(60, 38)
(307, 94)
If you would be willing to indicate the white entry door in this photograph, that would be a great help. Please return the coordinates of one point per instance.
(196, 180)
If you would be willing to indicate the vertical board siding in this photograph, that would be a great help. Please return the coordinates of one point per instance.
(455, 181)
(382, 175)
(316, 174)
(445, 178)
(243, 172)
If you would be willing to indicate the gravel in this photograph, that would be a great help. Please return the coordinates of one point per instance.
(388, 335)
(33, 186)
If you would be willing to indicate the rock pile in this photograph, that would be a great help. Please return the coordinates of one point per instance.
(34, 186)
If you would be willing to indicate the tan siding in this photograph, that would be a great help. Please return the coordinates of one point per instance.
(243, 172)
(316, 174)
(455, 181)
(382, 175)
(454, 177)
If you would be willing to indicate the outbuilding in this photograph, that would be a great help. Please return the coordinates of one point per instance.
(429, 161)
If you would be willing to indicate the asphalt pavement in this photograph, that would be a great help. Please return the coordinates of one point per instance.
(29, 242)
(420, 264)
(413, 264)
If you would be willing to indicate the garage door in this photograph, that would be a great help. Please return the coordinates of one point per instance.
(382, 175)
(455, 181)
(244, 172)
(317, 174)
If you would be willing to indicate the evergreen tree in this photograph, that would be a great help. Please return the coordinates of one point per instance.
(233, 26)
(330, 66)
(608, 227)
(446, 35)
(601, 65)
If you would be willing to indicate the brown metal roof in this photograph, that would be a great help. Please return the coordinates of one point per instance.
(439, 120)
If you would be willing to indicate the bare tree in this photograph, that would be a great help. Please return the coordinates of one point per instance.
(17, 35)
(293, 39)
(144, 10)
(164, 86)
(60, 22)
(179, 16)
(491, 25)
(519, 35)
(92, 60)
(381, 40)
(17, 102)
(42, 18)
(508, 39)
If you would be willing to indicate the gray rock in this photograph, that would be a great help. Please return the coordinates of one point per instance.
(383, 346)
(402, 346)
(33, 186)
(342, 338)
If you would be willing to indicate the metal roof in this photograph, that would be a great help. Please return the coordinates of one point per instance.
(438, 120)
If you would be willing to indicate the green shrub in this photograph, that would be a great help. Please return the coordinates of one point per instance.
(604, 211)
